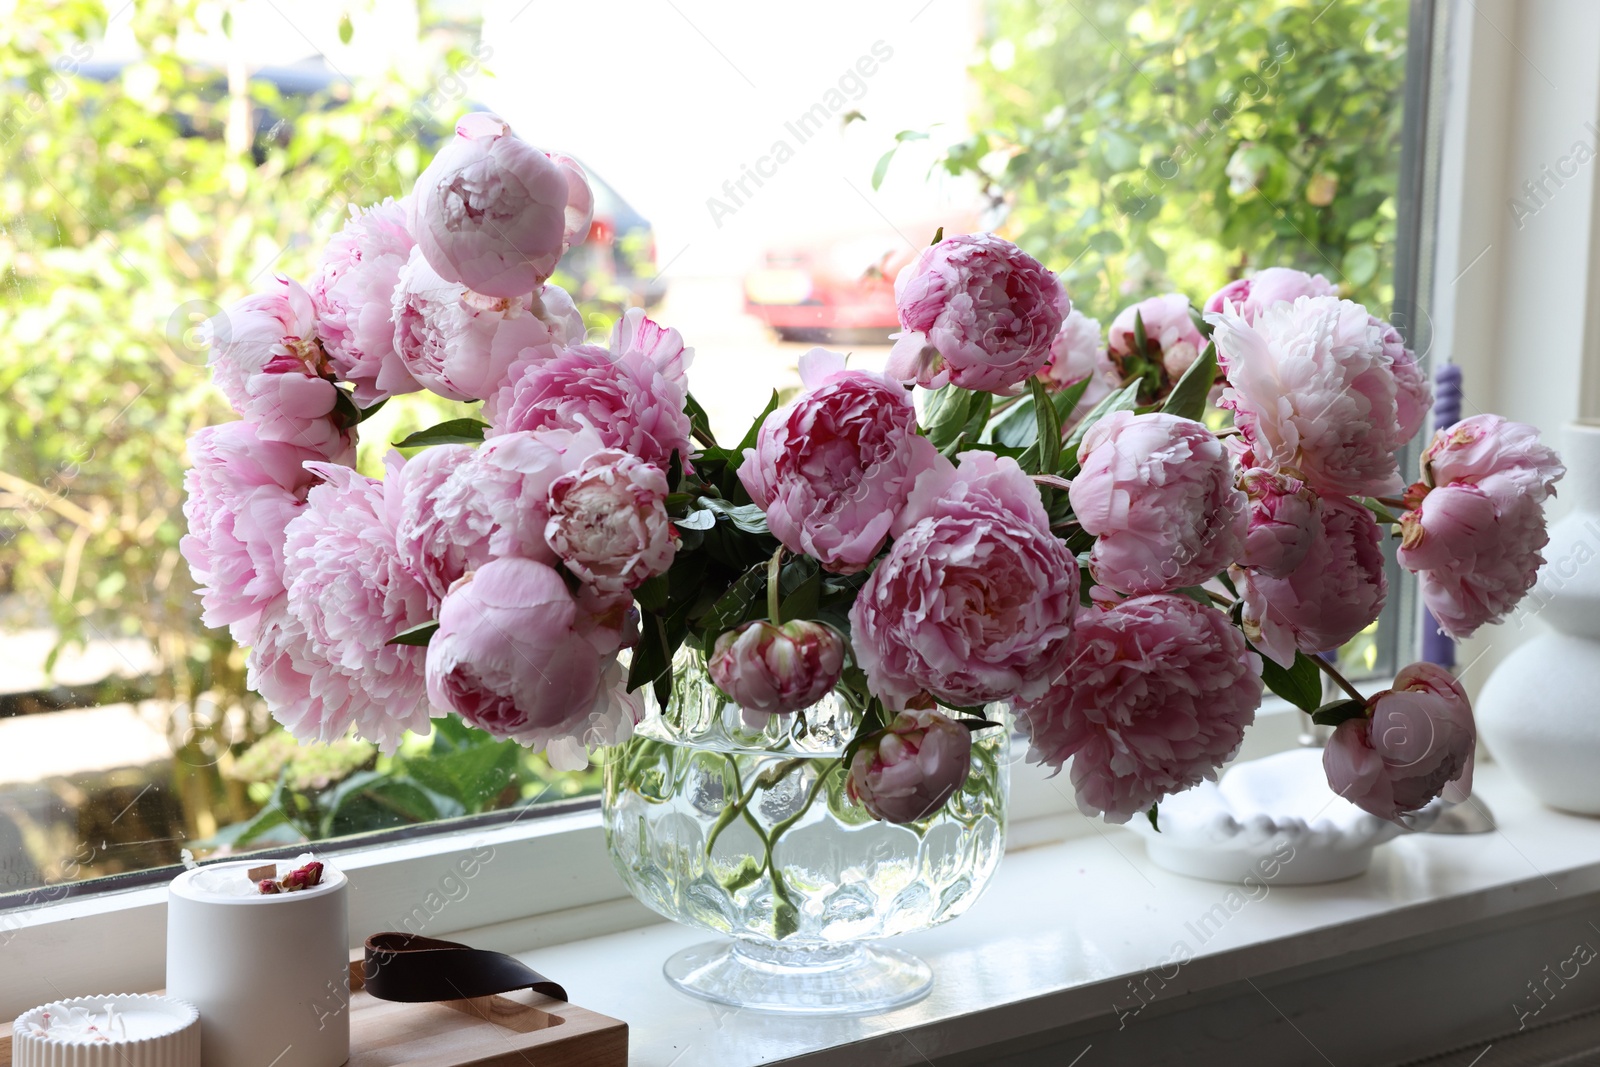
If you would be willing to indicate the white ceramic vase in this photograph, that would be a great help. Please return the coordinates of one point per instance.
(1539, 712)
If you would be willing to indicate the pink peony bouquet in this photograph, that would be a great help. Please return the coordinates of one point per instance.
(1015, 511)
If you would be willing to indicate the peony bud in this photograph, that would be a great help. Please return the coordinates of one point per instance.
(1413, 743)
(909, 770)
(773, 670)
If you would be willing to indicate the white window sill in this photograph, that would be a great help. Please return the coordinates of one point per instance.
(1065, 928)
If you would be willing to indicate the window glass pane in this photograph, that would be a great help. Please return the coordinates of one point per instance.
(759, 180)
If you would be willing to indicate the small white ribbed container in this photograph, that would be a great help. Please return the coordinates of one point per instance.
(269, 973)
(141, 1031)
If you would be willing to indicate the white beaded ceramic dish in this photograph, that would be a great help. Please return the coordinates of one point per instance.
(1271, 820)
(120, 1030)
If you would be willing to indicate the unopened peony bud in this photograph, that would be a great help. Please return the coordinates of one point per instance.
(773, 670)
(908, 771)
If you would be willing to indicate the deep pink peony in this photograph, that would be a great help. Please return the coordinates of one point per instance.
(773, 670)
(463, 507)
(348, 594)
(1283, 518)
(834, 467)
(609, 523)
(1274, 285)
(266, 359)
(1157, 491)
(353, 293)
(632, 394)
(1154, 695)
(1477, 523)
(509, 659)
(1414, 744)
(1175, 341)
(460, 344)
(1313, 389)
(491, 211)
(978, 311)
(1336, 592)
(1077, 354)
(242, 492)
(975, 600)
(909, 770)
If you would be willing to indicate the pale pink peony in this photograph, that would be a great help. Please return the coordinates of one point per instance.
(631, 394)
(1475, 552)
(773, 670)
(1153, 695)
(834, 467)
(1274, 285)
(1157, 491)
(1175, 342)
(1076, 354)
(579, 213)
(909, 770)
(975, 600)
(1283, 521)
(1336, 592)
(463, 507)
(460, 344)
(509, 659)
(609, 523)
(1313, 390)
(348, 594)
(266, 359)
(1415, 743)
(1413, 391)
(1477, 523)
(242, 492)
(353, 293)
(977, 311)
(1495, 454)
(492, 212)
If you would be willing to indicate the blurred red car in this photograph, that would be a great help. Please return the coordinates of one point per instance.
(833, 292)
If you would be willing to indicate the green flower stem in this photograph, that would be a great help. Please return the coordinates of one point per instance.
(775, 587)
(1344, 683)
(785, 923)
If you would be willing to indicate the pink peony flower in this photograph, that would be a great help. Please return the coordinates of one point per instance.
(609, 523)
(1313, 390)
(491, 212)
(1155, 695)
(1413, 391)
(631, 394)
(1414, 744)
(353, 294)
(508, 659)
(1336, 592)
(1274, 285)
(1475, 552)
(978, 311)
(773, 670)
(266, 359)
(908, 771)
(242, 492)
(975, 600)
(579, 213)
(463, 507)
(1175, 342)
(460, 344)
(1477, 522)
(1157, 492)
(834, 467)
(1495, 454)
(348, 594)
(1283, 521)
(1076, 354)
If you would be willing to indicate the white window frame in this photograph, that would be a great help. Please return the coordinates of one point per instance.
(1534, 291)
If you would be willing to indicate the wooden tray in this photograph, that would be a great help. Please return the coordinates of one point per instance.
(522, 1029)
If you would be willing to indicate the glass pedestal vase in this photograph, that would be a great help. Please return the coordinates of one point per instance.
(751, 835)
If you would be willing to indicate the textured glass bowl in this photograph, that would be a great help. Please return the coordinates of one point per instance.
(798, 909)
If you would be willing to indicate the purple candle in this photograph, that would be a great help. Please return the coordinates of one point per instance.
(1436, 647)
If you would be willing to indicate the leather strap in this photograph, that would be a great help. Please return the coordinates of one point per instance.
(412, 970)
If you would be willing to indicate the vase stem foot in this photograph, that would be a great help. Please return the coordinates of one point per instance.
(827, 980)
